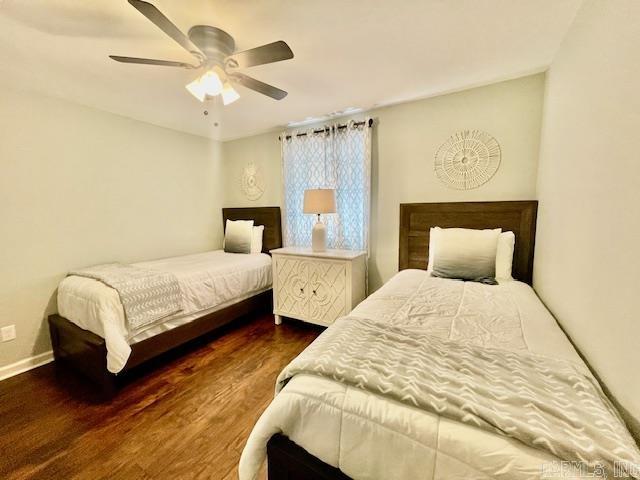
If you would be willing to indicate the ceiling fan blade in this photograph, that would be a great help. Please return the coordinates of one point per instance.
(150, 61)
(164, 24)
(269, 53)
(258, 86)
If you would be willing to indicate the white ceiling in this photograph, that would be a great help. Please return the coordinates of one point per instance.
(348, 53)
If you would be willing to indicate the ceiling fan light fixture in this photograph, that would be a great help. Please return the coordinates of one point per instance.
(208, 85)
(215, 50)
(211, 83)
(196, 89)
(229, 94)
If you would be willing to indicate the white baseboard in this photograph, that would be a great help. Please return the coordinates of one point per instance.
(26, 364)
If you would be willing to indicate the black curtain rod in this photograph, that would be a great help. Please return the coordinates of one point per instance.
(326, 129)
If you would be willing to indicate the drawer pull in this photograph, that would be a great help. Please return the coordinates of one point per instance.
(314, 292)
(302, 290)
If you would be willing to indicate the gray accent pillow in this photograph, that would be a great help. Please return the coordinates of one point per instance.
(237, 236)
(464, 253)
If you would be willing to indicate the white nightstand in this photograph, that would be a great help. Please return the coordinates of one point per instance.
(317, 287)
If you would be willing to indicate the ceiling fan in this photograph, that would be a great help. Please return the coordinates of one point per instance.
(214, 50)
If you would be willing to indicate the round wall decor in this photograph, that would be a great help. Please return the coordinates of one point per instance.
(468, 159)
(252, 181)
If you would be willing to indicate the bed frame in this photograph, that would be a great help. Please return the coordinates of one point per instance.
(86, 352)
(288, 461)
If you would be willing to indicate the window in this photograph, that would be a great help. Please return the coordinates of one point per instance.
(336, 157)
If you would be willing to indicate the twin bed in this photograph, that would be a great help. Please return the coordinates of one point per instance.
(90, 334)
(433, 378)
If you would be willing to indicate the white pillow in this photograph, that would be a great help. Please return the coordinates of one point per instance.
(238, 235)
(256, 239)
(463, 253)
(504, 255)
(433, 241)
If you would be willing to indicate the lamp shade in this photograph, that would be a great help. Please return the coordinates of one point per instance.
(321, 200)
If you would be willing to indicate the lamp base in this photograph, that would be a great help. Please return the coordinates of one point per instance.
(319, 237)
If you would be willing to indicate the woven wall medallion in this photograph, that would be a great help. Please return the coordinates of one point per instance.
(468, 159)
(252, 181)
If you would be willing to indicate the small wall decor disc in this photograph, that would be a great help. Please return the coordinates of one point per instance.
(252, 181)
(468, 159)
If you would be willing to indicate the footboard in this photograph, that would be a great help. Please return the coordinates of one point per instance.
(288, 461)
(82, 351)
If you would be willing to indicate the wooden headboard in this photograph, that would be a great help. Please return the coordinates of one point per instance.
(519, 217)
(267, 216)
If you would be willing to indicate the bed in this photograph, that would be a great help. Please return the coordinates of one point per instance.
(90, 335)
(318, 427)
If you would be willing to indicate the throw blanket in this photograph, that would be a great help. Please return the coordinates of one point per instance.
(146, 295)
(544, 403)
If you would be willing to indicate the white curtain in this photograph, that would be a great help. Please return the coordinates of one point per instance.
(338, 158)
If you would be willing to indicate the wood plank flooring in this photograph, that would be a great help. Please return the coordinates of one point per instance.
(187, 415)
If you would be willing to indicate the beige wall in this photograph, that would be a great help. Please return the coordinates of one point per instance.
(78, 187)
(589, 191)
(406, 138)
(263, 151)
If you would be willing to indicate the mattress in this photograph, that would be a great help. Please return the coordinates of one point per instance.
(372, 437)
(208, 281)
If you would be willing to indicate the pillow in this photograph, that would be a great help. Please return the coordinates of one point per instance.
(237, 236)
(463, 253)
(433, 240)
(504, 255)
(256, 239)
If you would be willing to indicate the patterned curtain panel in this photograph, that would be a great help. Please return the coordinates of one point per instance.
(338, 158)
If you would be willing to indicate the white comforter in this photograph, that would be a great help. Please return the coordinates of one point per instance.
(371, 437)
(208, 281)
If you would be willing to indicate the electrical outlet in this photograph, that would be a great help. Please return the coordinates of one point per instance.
(8, 333)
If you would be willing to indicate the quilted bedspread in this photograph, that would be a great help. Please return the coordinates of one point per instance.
(544, 403)
(445, 380)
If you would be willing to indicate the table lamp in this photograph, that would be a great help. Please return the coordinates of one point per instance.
(317, 202)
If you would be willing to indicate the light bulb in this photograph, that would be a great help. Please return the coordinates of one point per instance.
(229, 95)
(208, 85)
(211, 83)
(197, 90)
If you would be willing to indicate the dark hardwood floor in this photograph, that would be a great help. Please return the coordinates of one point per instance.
(186, 415)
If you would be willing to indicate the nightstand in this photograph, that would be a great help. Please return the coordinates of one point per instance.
(317, 287)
